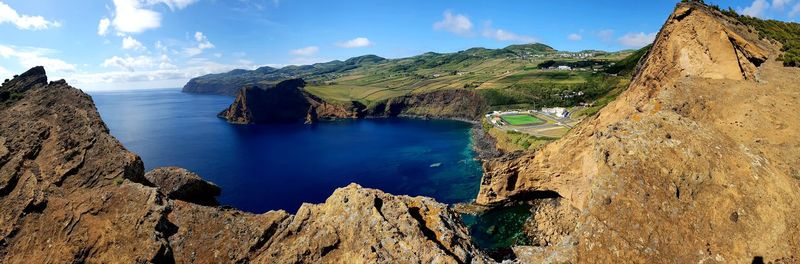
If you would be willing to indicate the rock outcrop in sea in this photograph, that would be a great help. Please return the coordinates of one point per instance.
(697, 162)
(71, 193)
(288, 102)
(284, 103)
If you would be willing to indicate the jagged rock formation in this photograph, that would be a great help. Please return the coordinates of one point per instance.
(69, 192)
(696, 162)
(182, 184)
(282, 103)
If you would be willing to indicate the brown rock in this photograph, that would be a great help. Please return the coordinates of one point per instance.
(69, 192)
(336, 232)
(182, 184)
(34, 77)
(708, 128)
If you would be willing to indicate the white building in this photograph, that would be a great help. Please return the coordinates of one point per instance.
(568, 68)
(557, 111)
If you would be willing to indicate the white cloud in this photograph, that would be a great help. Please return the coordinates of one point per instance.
(102, 27)
(359, 42)
(139, 63)
(24, 22)
(130, 43)
(160, 46)
(134, 16)
(795, 11)
(307, 51)
(202, 44)
(129, 63)
(455, 23)
(637, 40)
(130, 17)
(605, 35)
(504, 35)
(4, 74)
(154, 77)
(756, 9)
(575, 37)
(30, 57)
(173, 4)
(780, 4)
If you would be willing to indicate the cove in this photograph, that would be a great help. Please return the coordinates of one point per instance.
(279, 167)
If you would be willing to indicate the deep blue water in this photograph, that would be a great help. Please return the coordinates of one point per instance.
(269, 167)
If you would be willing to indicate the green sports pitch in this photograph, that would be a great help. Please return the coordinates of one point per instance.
(521, 120)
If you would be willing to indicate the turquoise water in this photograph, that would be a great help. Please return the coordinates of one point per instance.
(270, 167)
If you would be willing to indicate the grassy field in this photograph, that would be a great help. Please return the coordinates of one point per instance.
(511, 141)
(521, 120)
(363, 94)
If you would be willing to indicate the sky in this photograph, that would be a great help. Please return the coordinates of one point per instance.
(139, 44)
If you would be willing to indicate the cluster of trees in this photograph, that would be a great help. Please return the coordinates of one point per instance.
(550, 94)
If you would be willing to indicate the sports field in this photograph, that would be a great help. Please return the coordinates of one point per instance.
(522, 120)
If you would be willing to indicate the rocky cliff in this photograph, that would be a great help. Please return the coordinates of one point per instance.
(283, 103)
(69, 192)
(288, 102)
(697, 162)
(449, 104)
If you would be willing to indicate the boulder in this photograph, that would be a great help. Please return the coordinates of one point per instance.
(182, 184)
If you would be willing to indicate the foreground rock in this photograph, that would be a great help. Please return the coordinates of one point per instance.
(71, 193)
(182, 184)
(697, 162)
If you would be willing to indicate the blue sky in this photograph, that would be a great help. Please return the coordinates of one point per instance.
(128, 44)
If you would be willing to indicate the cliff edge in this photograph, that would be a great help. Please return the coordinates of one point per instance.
(289, 102)
(284, 103)
(697, 162)
(70, 192)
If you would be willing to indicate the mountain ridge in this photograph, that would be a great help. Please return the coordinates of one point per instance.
(228, 83)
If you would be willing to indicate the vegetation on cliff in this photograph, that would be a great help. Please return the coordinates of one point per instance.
(785, 33)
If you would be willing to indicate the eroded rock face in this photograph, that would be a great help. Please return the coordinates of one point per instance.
(693, 163)
(70, 192)
(286, 102)
(282, 103)
(453, 104)
(334, 231)
(182, 184)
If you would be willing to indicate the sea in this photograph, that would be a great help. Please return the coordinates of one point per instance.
(280, 166)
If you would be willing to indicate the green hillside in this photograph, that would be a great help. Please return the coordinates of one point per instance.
(515, 76)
